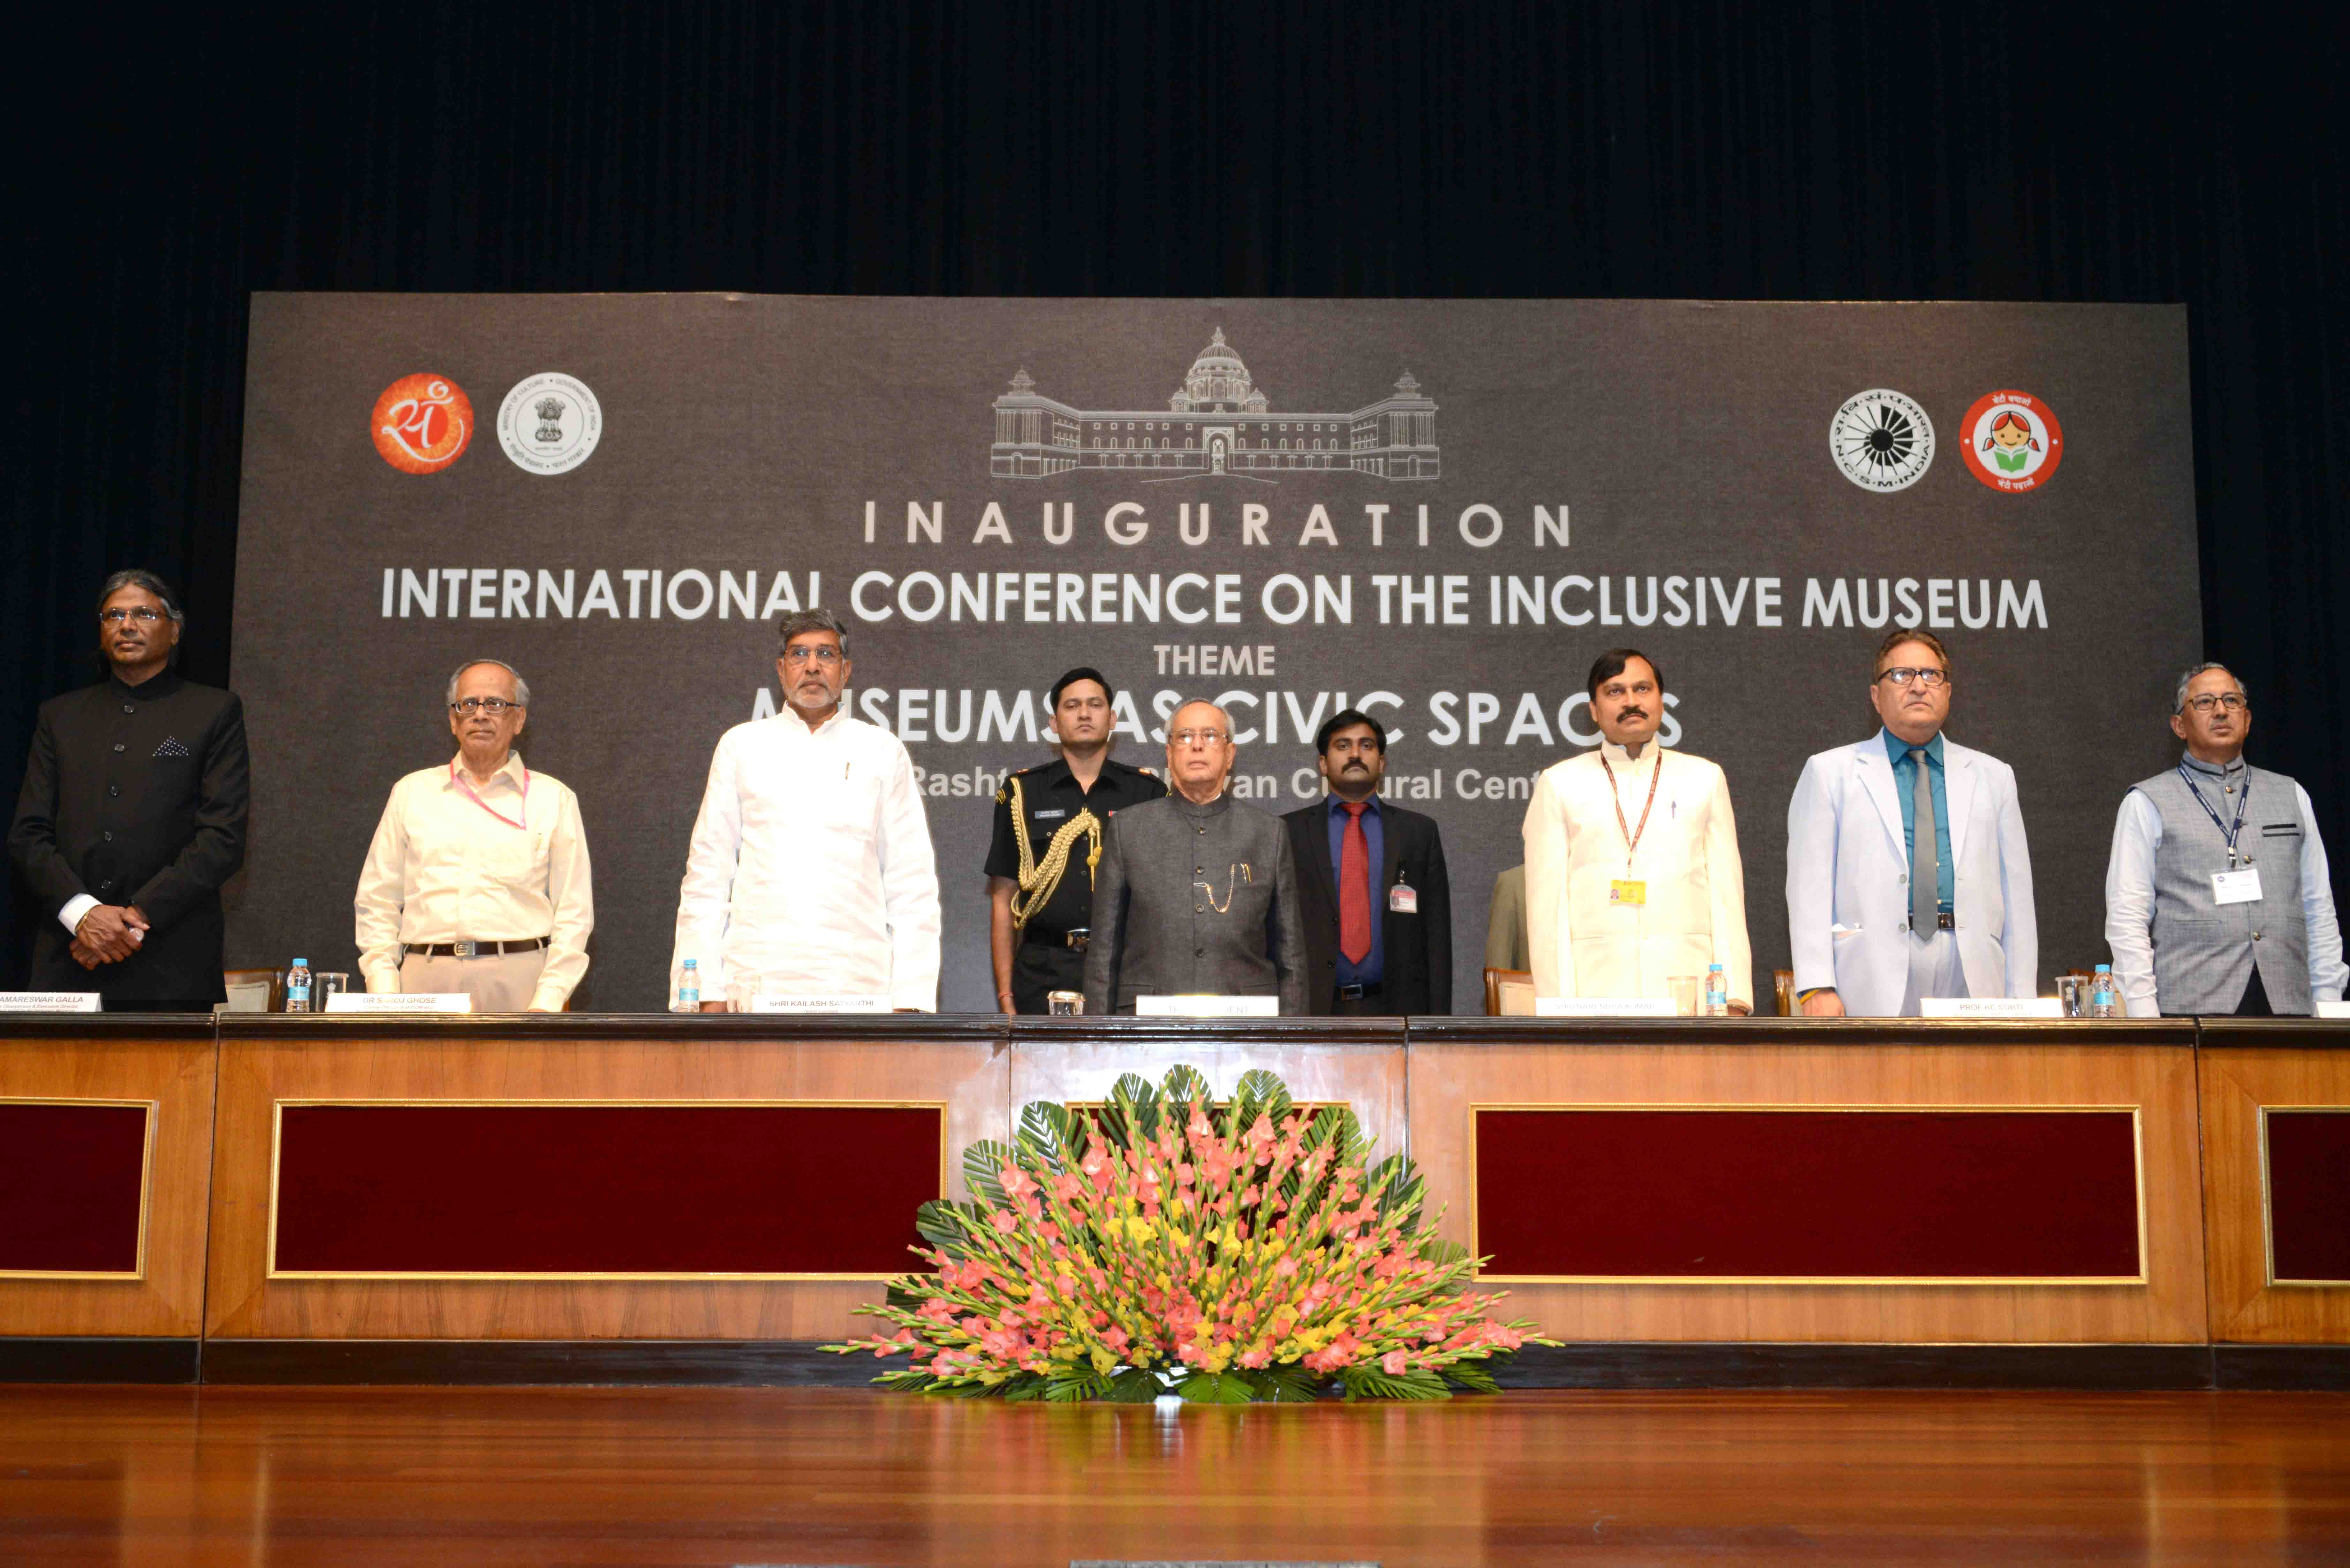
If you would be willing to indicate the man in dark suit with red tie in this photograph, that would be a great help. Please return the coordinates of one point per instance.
(1373, 894)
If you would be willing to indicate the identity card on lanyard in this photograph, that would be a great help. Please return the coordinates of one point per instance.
(493, 811)
(2232, 885)
(1625, 890)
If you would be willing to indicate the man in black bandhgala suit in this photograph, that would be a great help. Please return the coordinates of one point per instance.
(132, 815)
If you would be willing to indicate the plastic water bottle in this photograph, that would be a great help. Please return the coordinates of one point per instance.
(2105, 1000)
(297, 986)
(1717, 991)
(689, 988)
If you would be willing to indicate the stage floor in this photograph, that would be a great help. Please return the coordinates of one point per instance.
(461, 1475)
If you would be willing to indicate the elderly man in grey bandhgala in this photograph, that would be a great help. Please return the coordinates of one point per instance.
(2219, 898)
(1196, 894)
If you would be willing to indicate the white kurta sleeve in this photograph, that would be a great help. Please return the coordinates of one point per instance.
(570, 888)
(2021, 941)
(2129, 902)
(708, 887)
(1725, 877)
(2327, 973)
(376, 909)
(909, 890)
(1544, 833)
(1811, 877)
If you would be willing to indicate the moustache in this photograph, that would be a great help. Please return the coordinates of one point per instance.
(1631, 712)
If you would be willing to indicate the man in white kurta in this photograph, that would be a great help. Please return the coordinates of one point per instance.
(1632, 868)
(477, 879)
(811, 868)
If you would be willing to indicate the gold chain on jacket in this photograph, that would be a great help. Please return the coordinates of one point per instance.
(1040, 879)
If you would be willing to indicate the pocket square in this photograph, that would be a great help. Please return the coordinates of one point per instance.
(171, 747)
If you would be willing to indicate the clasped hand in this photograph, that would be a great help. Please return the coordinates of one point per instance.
(109, 934)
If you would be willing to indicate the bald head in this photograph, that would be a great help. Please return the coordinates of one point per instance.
(1200, 750)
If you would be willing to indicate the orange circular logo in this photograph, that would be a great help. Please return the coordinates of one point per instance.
(422, 423)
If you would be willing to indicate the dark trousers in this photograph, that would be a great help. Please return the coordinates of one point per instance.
(2255, 1002)
(1038, 968)
(1374, 1004)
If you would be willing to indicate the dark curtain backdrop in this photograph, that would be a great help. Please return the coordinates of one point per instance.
(165, 163)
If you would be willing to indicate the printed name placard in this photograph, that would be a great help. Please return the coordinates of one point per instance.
(1207, 1007)
(2334, 1010)
(400, 1002)
(819, 1004)
(48, 1001)
(1604, 1007)
(1990, 1007)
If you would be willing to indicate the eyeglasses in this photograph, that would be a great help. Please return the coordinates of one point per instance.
(493, 706)
(1929, 678)
(827, 657)
(2231, 700)
(1199, 737)
(145, 615)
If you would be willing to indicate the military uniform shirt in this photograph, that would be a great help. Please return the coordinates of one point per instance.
(1050, 794)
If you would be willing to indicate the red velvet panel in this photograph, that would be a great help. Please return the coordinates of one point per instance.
(627, 1189)
(1808, 1194)
(2309, 1194)
(69, 1184)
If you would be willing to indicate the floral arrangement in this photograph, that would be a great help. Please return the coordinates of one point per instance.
(1227, 1253)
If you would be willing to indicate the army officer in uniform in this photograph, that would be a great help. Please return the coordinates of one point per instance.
(1049, 822)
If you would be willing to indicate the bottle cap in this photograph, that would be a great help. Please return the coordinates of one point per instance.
(301, 963)
(2104, 969)
(1714, 968)
(693, 964)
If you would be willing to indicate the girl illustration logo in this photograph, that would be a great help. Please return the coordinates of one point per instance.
(2014, 442)
(421, 423)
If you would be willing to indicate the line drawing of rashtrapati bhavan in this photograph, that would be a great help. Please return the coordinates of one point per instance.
(1218, 422)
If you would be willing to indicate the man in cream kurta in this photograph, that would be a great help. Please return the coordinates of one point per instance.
(477, 880)
(1632, 868)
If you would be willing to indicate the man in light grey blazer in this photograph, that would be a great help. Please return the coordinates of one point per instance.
(1196, 893)
(1908, 876)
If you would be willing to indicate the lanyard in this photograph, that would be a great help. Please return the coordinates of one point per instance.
(1632, 835)
(493, 811)
(2243, 799)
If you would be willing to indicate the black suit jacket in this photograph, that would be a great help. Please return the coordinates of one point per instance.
(135, 794)
(1418, 948)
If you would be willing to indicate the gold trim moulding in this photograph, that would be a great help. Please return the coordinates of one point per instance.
(2268, 1215)
(276, 1139)
(146, 1187)
(2137, 1160)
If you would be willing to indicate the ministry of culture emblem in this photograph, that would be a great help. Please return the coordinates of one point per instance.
(550, 423)
(2013, 441)
(421, 423)
(1882, 440)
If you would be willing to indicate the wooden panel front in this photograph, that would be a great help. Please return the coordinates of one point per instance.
(2144, 1070)
(632, 1061)
(2271, 1211)
(132, 1100)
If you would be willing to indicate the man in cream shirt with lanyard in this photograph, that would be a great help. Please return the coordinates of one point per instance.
(477, 880)
(810, 868)
(1632, 869)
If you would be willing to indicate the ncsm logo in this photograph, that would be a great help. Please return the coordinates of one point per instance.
(1882, 440)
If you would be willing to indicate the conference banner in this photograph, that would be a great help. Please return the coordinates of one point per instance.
(1437, 511)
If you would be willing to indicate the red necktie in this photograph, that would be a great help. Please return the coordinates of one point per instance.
(1354, 886)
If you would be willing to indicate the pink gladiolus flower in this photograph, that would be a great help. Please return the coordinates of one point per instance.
(1260, 1356)
(1395, 1363)
(1002, 1221)
(1016, 1181)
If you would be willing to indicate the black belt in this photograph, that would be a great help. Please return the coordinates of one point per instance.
(1356, 992)
(1076, 939)
(476, 950)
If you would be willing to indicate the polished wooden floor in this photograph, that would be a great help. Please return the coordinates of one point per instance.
(448, 1477)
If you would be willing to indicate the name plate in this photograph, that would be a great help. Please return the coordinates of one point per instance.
(819, 1004)
(2334, 1010)
(48, 1001)
(1604, 1007)
(1990, 1007)
(1207, 1007)
(400, 1002)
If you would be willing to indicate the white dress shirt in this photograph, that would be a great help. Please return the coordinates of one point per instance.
(1694, 909)
(2129, 904)
(811, 866)
(456, 861)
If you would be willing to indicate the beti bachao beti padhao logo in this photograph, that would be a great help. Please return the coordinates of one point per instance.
(550, 423)
(1881, 440)
(2013, 441)
(421, 423)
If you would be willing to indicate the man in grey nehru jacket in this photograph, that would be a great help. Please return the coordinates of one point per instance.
(1198, 893)
(2218, 897)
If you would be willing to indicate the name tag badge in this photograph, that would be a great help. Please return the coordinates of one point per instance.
(1049, 816)
(1623, 892)
(2236, 887)
(1403, 899)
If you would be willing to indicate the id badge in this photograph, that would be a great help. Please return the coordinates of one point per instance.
(2236, 887)
(1622, 892)
(1403, 899)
